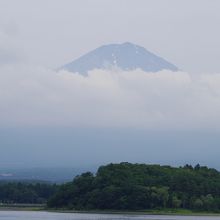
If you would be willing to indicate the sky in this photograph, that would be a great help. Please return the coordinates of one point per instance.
(58, 118)
(54, 32)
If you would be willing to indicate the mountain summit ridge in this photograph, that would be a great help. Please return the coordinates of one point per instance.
(126, 56)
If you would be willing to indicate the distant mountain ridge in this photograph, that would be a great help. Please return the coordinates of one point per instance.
(43, 174)
(126, 56)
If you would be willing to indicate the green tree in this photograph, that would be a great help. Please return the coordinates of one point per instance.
(176, 203)
(198, 204)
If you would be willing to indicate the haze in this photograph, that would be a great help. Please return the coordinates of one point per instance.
(58, 118)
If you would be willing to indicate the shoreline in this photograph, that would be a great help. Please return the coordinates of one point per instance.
(146, 212)
(171, 212)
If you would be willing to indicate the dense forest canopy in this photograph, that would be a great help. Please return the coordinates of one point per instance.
(28, 193)
(127, 186)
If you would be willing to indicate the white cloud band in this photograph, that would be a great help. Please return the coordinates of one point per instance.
(32, 96)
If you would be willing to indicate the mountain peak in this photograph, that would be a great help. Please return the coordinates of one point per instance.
(126, 56)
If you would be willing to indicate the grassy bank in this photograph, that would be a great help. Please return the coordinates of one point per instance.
(22, 207)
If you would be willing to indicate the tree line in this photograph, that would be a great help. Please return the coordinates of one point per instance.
(28, 193)
(127, 186)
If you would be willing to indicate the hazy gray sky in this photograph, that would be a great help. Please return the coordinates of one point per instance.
(61, 118)
(53, 32)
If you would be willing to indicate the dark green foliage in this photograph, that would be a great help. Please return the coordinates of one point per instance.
(128, 186)
(16, 192)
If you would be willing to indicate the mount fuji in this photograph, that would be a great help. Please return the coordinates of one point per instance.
(126, 56)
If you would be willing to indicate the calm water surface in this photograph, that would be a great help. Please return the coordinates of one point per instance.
(22, 215)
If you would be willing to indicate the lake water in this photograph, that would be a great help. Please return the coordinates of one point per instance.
(24, 215)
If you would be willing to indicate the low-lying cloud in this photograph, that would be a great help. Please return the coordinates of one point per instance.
(31, 96)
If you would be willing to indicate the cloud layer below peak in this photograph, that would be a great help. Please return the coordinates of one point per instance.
(33, 96)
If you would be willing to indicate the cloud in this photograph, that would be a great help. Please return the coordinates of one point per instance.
(34, 96)
(10, 51)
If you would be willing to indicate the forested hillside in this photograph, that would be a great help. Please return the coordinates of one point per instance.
(128, 186)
